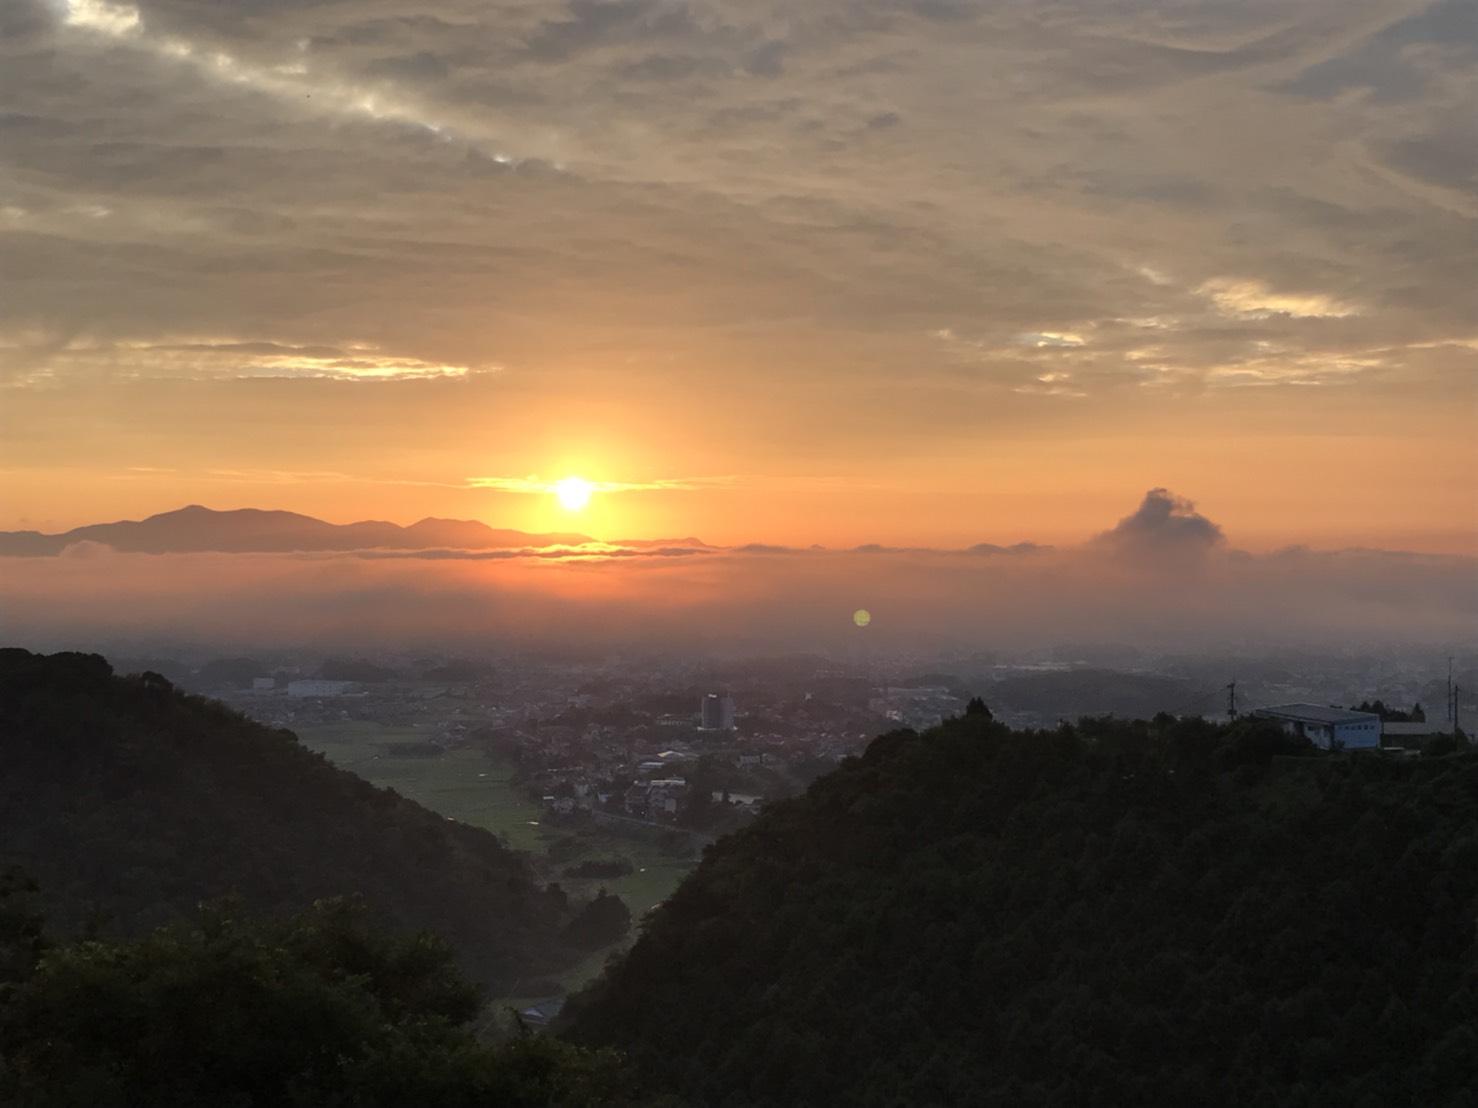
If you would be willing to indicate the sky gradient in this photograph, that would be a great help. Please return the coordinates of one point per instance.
(930, 273)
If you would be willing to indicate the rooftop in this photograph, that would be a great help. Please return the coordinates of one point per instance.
(1316, 713)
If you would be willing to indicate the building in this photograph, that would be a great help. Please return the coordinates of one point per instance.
(542, 1013)
(655, 799)
(717, 713)
(318, 688)
(1327, 728)
(1415, 734)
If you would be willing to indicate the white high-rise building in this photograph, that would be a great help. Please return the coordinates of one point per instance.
(716, 713)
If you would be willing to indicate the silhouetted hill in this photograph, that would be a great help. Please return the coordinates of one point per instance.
(1113, 913)
(129, 802)
(251, 530)
(1071, 693)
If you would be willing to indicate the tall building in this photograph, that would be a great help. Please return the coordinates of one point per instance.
(716, 713)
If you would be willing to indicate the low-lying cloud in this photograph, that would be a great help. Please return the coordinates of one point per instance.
(1182, 586)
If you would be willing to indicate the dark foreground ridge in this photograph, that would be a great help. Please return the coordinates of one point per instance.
(1115, 913)
(129, 802)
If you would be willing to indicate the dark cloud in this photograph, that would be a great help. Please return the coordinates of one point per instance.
(989, 549)
(351, 156)
(766, 548)
(588, 24)
(1163, 524)
(1395, 63)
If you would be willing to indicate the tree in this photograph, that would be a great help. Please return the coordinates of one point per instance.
(318, 1009)
(21, 927)
(603, 921)
(1112, 912)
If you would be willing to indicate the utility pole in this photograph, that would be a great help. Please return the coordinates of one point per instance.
(1232, 700)
(1451, 703)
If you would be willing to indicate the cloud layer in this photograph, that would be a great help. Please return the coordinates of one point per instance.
(1163, 577)
(1027, 248)
(1061, 197)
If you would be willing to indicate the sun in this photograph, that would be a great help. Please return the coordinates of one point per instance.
(573, 493)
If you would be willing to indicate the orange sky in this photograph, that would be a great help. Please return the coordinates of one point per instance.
(1395, 476)
(804, 277)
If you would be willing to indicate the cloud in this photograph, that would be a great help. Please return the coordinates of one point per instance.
(671, 176)
(586, 552)
(536, 485)
(1132, 585)
(1163, 525)
(212, 359)
(836, 234)
(86, 550)
(1254, 300)
(100, 15)
(737, 601)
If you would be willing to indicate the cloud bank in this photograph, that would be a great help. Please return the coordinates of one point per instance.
(1162, 577)
(1059, 198)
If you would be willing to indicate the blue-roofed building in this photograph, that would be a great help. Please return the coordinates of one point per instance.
(542, 1013)
(1327, 728)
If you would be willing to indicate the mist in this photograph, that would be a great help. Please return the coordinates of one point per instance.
(1139, 592)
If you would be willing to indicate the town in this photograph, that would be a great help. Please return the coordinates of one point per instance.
(702, 745)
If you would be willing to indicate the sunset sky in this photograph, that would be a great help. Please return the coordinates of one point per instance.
(926, 272)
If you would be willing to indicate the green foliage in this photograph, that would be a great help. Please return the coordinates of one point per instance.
(321, 1009)
(605, 920)
(130, 803)
(1170, 912)
(22, 928)
(1393, 714)
(600, 867)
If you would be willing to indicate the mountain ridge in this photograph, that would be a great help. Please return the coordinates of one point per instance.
(198, 529)
(130, 802)
(1112, 912)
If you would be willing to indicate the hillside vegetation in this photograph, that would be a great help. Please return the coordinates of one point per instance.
(318, 1009)
(129, 802)
(1112, 913)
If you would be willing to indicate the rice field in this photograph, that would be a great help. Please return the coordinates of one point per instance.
(468, 786)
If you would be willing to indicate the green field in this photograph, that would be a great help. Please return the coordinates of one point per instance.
(463, 784)
(473, 788)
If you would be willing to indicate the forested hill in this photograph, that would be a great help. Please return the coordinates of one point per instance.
(129, 802)
(1116, 913)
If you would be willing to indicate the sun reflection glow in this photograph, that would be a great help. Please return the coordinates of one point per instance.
(573, 493)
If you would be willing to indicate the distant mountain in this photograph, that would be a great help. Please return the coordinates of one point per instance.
(251, 530)
(1114, 912)
(129, 802)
